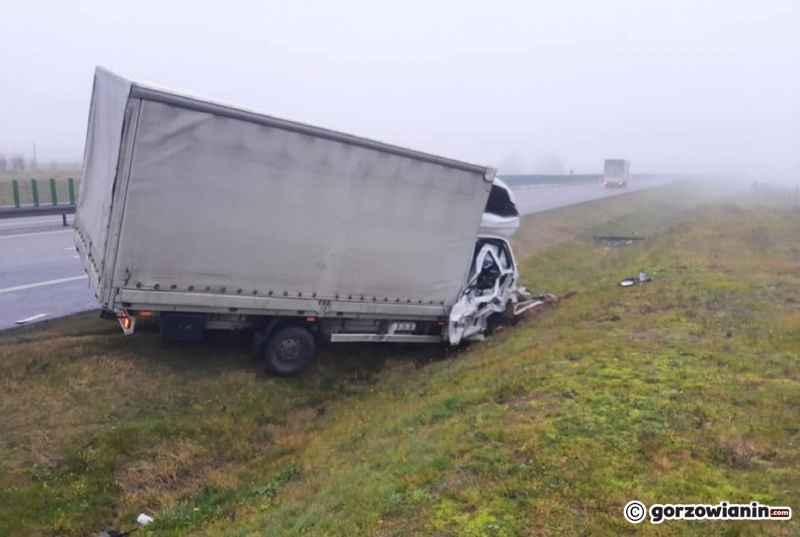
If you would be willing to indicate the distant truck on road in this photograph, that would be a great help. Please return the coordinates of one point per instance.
(213, 217)
(616, 173)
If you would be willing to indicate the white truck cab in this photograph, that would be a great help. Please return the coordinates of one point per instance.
(501, 217)
(492, 288)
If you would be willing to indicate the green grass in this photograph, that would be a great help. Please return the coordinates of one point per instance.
(685, 389)
(43, 182)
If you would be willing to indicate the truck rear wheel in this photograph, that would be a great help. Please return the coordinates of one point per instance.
(289, 351)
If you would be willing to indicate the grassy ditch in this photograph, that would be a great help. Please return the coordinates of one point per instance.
(685, 389)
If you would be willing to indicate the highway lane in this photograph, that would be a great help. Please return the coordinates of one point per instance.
(543, 198)
(41, 277)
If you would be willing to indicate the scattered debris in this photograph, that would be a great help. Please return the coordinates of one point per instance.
(616, 241)
(144, 519)
(547, 300)
(643, 278)
(616, 238)
(31, 319)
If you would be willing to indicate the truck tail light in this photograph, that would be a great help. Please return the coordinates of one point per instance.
(127, 322)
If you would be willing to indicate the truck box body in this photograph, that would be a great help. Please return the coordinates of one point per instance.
(616, 172)
(191, 205)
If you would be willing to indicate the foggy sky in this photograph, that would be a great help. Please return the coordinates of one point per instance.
(708, 86)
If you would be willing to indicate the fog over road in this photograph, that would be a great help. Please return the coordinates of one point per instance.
(41, 277)
(543, 198)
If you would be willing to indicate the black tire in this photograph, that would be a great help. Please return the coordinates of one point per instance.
(289, 351)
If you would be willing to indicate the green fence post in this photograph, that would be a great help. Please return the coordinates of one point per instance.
(71, 191)
(53, 193)
(15, 189)
(35, 192)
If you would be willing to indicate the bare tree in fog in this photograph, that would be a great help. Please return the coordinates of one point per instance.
(18, 162)
(550, 165)
(512, 165)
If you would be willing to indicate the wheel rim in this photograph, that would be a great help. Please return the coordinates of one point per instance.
(289, 350)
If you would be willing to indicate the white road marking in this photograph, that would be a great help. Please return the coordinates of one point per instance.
(31, 223)
(42, 284)
(76, 257)
(35, 234)
(31, 318)
(71, 249)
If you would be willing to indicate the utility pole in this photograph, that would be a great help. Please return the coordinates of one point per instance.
(35, 164)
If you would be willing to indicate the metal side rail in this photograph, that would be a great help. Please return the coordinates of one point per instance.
(384, 338)
(40, 210)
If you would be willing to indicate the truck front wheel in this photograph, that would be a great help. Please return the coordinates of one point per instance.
(289, 351)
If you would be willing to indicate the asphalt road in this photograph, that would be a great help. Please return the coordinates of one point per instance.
(543, 198)
(40, 275)
(42, 278)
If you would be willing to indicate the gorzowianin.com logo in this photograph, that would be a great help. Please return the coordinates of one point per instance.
(635, 512)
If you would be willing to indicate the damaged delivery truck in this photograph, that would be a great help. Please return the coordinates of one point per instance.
(214, 217)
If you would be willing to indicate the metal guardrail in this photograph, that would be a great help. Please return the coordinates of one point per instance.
(527, 181)
(788, 194)
(18, 210)
(526, 186)
(32, 210)
(524, 182)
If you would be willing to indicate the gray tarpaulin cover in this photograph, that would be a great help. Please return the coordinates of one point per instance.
(219, 197)
(103, 139)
